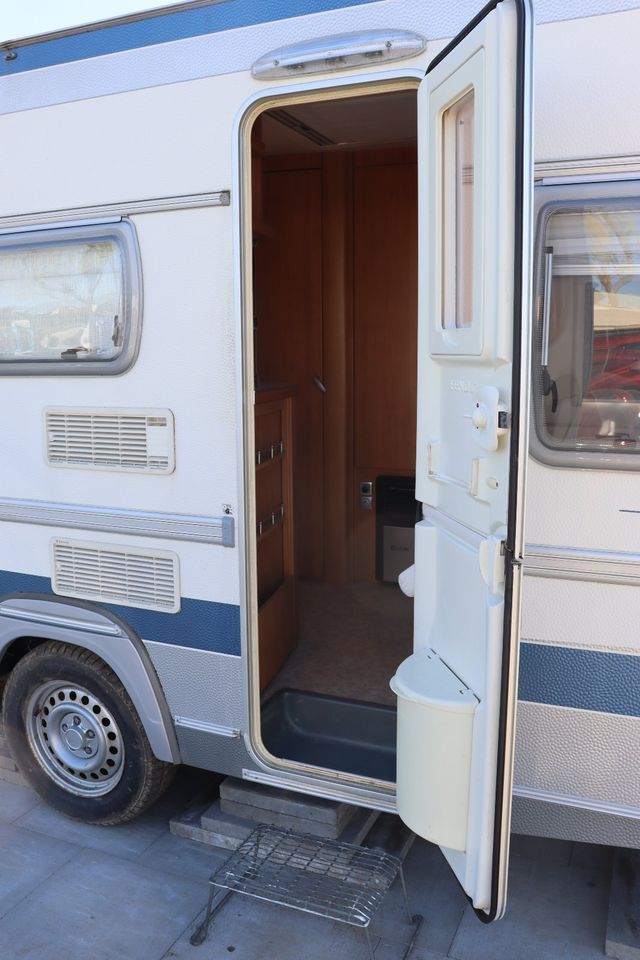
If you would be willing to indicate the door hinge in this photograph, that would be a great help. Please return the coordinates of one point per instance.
(509, 556)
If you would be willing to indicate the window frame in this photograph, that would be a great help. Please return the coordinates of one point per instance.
(123, 232)
(466, 340)
(552, 198)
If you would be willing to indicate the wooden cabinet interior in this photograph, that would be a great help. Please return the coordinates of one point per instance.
(288, 312)
(275, 524)
(335, 303)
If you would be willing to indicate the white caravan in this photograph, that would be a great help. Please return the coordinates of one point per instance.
(270, 274)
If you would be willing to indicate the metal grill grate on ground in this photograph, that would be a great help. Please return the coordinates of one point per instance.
(323, 877)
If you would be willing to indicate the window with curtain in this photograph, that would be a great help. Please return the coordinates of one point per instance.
(587, 356)
(66, 299)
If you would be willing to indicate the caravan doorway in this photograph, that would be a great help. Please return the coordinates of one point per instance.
(334, 353)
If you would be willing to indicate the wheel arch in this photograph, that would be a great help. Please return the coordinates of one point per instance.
(27, 620)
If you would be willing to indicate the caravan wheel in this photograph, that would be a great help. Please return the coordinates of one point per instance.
(76, 737)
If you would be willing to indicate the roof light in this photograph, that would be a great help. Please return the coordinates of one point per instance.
(339, 52)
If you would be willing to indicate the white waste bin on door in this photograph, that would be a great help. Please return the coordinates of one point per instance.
(435, 730)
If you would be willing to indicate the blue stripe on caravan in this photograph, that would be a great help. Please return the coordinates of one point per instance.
(200, 624)
(584, 679)
(178, 25)
(558, 676)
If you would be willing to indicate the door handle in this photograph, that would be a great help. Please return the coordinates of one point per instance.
(319, 384)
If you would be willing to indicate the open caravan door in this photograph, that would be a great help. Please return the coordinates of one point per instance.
(457, 692)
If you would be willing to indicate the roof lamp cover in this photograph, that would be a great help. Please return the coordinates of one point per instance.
(339, 52)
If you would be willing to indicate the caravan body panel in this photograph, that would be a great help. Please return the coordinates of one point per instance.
(105, 125)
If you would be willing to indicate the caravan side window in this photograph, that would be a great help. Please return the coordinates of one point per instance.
(69, 300)
(587, 350)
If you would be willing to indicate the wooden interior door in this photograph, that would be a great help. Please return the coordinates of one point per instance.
(385, 290)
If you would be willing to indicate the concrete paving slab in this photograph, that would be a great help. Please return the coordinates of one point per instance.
(394, 951)
(188, 787)
(16, 800)
(221, 830)
(253, 930)
(104, 908)
(26, 860)
(359, 826)
(147, 887)
(391, 835)
(176, 856)
(541, 848)
(432, 891)
(592, 855)
(553, 912)
(8, 770)
(623, 922)
(275, 800)
(244, 811)
(13, 776)
(129, 840)
(228, 829)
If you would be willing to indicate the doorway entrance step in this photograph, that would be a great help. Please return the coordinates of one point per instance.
(227, 821)
(353, 736)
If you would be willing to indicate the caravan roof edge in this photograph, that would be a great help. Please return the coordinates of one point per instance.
(146, 28)
(17, 42)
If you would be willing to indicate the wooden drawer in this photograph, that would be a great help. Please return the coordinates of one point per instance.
(274, 518)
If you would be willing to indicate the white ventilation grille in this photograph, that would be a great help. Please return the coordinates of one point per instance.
(139, 441)
(112, 574)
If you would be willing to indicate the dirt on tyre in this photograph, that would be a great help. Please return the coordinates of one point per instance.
(77, 738)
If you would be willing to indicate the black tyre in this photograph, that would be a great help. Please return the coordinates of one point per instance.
(76, 737)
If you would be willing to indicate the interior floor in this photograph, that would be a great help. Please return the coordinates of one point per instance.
(351, 639)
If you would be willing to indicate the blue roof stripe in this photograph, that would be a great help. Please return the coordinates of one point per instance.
(177, 25)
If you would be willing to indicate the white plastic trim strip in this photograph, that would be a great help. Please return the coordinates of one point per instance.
(138, 523)
(580, 803)
(318, 788)
(566, 563)
(202, 727)
(68, 623)
(104, 212)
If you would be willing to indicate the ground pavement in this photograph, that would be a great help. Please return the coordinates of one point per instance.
(69, 891)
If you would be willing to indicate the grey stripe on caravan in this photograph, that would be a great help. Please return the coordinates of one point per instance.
(568, 563)
(581, 757)
(230, 51)
(138, 523)
(80, 216)
(580, 803)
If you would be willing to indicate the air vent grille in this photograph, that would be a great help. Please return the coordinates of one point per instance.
(138, 441)
(113, 574)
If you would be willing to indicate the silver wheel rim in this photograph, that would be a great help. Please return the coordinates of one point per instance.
(75, 739)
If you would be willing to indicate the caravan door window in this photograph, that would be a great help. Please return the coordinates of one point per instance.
(68, 300)
(587, 362)
(457, 220)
